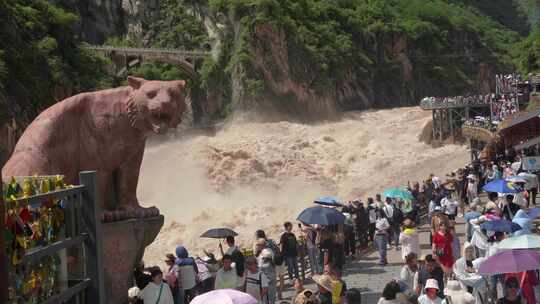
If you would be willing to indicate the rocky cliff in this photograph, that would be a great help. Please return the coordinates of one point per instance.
(311, 59)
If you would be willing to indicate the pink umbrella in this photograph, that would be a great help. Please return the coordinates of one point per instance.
(224, 296)
(510, 261)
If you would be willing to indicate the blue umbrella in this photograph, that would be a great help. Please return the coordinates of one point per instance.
(523, 219)
(502, 186)
(321, 215)
(328, 201)
(500, 225)
(533, 212)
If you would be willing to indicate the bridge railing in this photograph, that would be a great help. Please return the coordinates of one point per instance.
(430, 103)
(129, 50)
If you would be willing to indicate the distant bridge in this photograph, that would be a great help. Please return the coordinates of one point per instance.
(126, 57)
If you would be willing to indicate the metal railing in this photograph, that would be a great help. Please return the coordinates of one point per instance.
(142, 51)
(431, 103)
(83, 229)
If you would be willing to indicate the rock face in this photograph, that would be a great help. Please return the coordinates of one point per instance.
(99, 19)
(124, 243)
(102, 19)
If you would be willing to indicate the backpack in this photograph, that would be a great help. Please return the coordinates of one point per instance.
(397, 217)
(239, 260)
(278, 256)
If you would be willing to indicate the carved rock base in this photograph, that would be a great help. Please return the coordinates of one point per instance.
(124, 243)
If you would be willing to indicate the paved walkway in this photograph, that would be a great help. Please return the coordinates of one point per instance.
(366, 275)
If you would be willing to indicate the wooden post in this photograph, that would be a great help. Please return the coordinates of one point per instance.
(441, 125)
(433, 128)
(451, 121)
(3, 255)
(91, 223)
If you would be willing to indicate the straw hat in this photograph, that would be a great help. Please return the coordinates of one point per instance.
(306, 296)
(324, 281)
(432, 283)
(408, 223)
(133, 292)
(266, 253)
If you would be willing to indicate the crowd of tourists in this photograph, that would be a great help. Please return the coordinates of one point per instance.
(465, 100)
(503, 106)
(482, 122)
(449, 274)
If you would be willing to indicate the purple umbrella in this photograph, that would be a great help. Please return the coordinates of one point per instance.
(224, 296)
(510, 261)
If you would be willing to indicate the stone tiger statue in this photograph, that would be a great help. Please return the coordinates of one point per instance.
(103, 131)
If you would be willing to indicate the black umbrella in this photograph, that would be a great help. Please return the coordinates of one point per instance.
(219, 233)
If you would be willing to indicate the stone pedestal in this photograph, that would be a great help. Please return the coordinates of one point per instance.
(124, 243)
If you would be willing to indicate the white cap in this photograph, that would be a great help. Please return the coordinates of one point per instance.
(266, 253)
(432, 283)
(133, 292)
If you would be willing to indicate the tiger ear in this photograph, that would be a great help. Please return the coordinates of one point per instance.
(135, 82)
(181, 83)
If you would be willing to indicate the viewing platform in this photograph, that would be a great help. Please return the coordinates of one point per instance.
(429, 104)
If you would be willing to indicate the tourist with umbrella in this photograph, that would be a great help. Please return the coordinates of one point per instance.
(511, 293)
(226, 277)
(519, 263)
(331, 219)
(232, 249)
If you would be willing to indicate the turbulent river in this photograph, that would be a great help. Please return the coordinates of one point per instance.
(258, 175)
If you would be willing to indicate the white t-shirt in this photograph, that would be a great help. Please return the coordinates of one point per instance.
(227, 279)
(150, 294)
(255, 282)
(450, 206)
(532, 180)
(423, 299)
(407, 276)
(388, 210)
(372, 216)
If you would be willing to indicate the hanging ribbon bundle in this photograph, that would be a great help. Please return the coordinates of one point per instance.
(27, 227)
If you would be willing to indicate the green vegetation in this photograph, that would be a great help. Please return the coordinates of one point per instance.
(326, 39)
(528, 54)
(39, 56)
(327, 43)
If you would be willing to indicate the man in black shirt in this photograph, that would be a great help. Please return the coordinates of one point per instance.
(510, 208)
(289, 250)
(141, 278)
(431, 270)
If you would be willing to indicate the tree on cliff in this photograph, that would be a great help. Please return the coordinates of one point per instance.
(39, 59)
